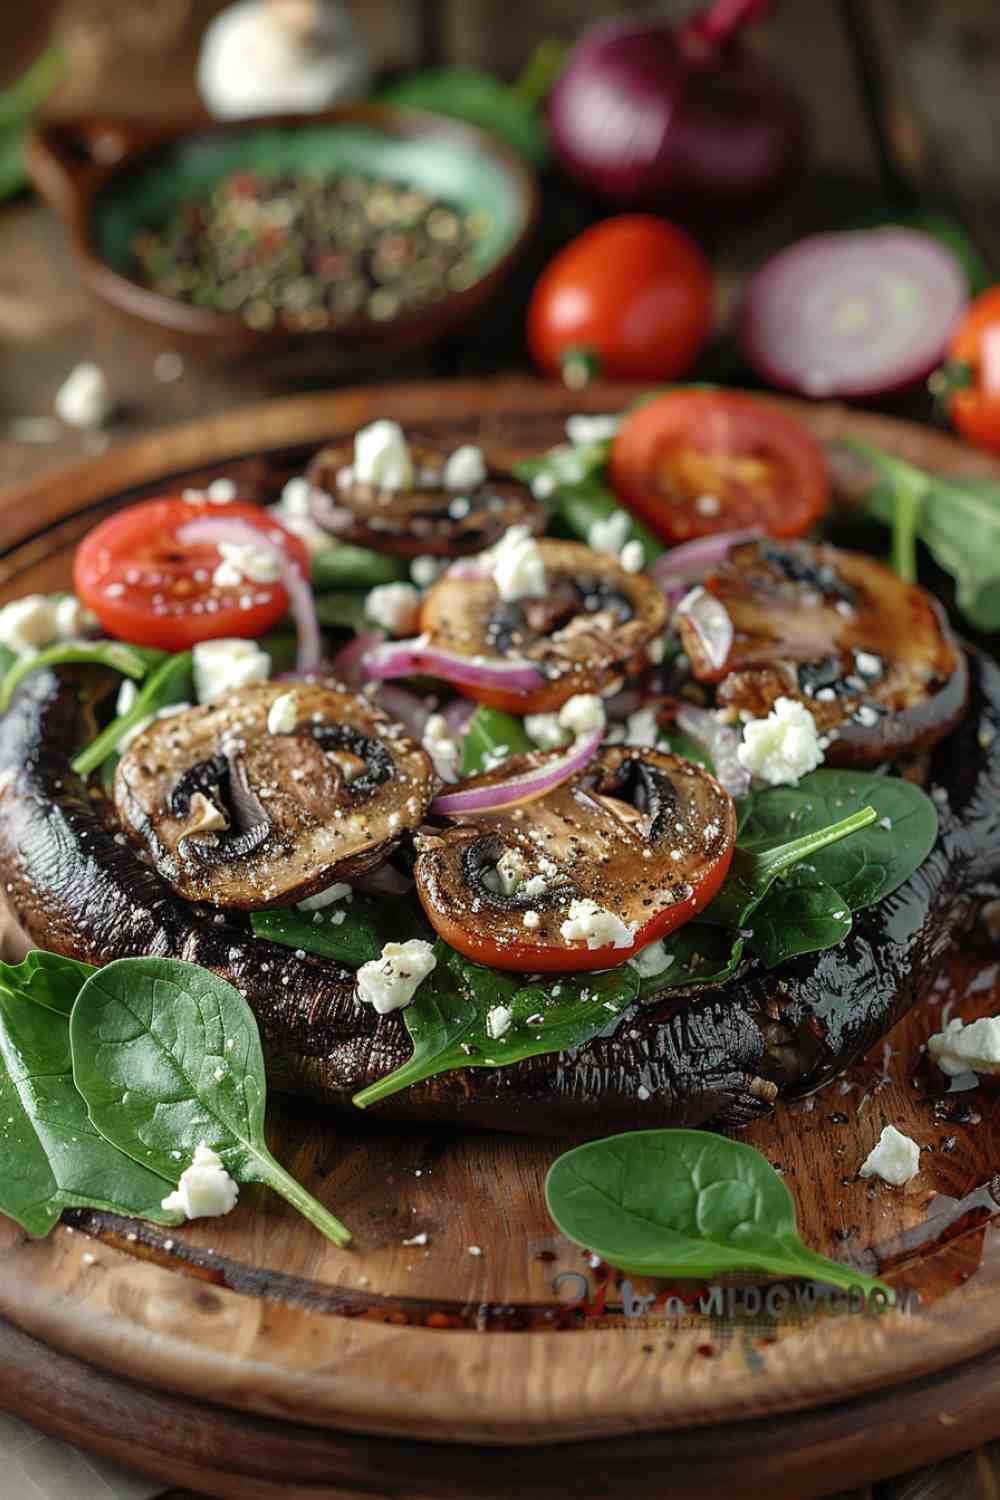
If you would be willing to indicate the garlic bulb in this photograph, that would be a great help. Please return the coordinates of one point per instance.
(266, 57)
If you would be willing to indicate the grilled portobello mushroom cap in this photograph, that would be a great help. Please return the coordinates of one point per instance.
(718, 1054)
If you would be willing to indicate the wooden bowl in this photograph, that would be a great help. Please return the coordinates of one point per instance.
(109, 178)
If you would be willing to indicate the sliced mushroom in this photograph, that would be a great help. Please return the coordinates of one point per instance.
(872, 658)
(645, 835)
(239, 817)
(427, 519)
(593, 625)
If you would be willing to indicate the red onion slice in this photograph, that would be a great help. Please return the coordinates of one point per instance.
(348, 662)
(300, 598)
(520, 787)
(412, 712)
(458, 715)
(719, 742)
(419, 657)
(677, 569)
(711, 622)
(856, 314)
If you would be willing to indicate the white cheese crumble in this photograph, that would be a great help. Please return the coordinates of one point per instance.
(336, 892)
(546, 731)
(895, 1158)
(390, 981)
(283, 715)
(242, 560)
(531, 920)
(651, 961)
(642, 727)
(382, 457)
(517, 566)
(205, 1189)
(38, 620)
(445, 752)
(84, 399)
(127, 694)
(972, 1048)
(498, 1021)
(782, 747)
(425, 570)
(394, 606)
(583, 429)
(72, 619)
(510, 871)
(633, 556)
(583, 713)
(223, 666)
(610, 534)
(597, 926)
(465, 469)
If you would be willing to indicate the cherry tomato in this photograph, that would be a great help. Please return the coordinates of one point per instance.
(147, 587)
(631, 298)
(970, 381)
(695, 462)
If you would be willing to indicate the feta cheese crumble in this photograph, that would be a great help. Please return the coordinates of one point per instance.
(221, 666)
(38, 620)
(583, 713)
(336, 892)
(545, 731)
(651, 961)
(498, 1022)
(444, 751)
(242, 560)
(394, 606)
(597, 926)
(517, 566)
(424, 571)
(582, 428)
(972, 1048)
(896, 1159)
(390, 981)
(784, 746)
(610, 534)
(633, 556)
(382, 457)
(642, 727)
(205, 1189)
(84, 399)
(283, 715)
(465, 469)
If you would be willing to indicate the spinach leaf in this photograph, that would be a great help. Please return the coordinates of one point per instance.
(699, 954)
(448, 1021)
(800, 914)
(167, 1055)
(344, 566)
(132, 661)
(490, 732)
(350, 934)
(53, 1157)
(17, 106)
(957, 519)
(676, 740)
(863, 869)
(343, 611)
(685, 1203)
(580, 494)
(170, 682)
(479, 98)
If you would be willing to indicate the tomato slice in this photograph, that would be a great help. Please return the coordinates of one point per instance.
(971, 378)
(645, 836)
(692, 463)
(145, 586)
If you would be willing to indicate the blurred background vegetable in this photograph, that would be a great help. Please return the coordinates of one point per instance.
(18, 106)
(968, 383)
(272, 57)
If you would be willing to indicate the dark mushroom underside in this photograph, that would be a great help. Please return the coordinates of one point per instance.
(723, 1054)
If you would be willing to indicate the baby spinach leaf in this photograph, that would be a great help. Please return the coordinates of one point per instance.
(699, 954)
(479, 98)
(132, 661)
(350, 934)
(450, 1027)
(169, 682)
(800, 914)
(167, 1055)
(344, 566)
(685, 1203)
(53, 1158)
(491, 733)
(865, 868)
(676, 740)
(343, 611)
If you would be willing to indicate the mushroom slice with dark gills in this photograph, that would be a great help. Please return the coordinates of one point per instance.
(871, 657)
(593, 625)
(426, 519)
(585, 876)
(237, 815)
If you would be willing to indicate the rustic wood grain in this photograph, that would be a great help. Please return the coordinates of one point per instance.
(260, 1317)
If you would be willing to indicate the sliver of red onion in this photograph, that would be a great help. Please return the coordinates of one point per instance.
(719, 742)
(521, 786)
(711, 622)
(677, 569)
(417, 657)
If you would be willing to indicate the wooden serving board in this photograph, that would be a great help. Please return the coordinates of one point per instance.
(247, 1356)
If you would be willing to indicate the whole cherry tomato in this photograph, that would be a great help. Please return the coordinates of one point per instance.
(630, 298)
(970, 380)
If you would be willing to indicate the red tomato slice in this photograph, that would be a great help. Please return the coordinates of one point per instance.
(692, 463)
(148, 588)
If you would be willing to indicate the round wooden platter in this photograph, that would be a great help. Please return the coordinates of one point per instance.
(247, 1356)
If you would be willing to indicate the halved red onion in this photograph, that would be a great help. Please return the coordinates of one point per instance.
(719, 742)
(677, 569)
(458, 714)
(856, 314)
(412, 712)
(418, 657)
(347, 664)
(520, 787)
(300, 597)
(711, 622)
